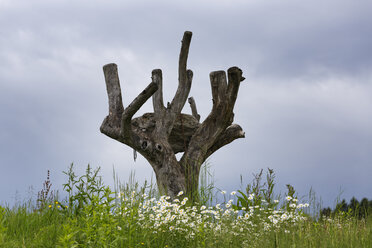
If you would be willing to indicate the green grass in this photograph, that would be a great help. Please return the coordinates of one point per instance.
(93, 215)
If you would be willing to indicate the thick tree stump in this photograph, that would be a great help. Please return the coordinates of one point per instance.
(158, 136)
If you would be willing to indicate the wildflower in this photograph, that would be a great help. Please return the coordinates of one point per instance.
(251, 196)
(275, 221)
(184, 201)
(233, 193)
(50, 206)
(227, 212)
(203, 207)
(276, 201)
(289, 198)
(119, 228)
(223, 192)
(284, 216)
(180, 193)
(171, 228)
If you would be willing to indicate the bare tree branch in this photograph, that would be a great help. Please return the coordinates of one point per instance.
(184, 76)
(111, 124)
(231, 133)
(217, 122)
(113, 90)
(234, 77)
(157, 97)
(182, 63)
(218, 85)
(134, 107)
(107, 127)
(182, 93)
(193, 108)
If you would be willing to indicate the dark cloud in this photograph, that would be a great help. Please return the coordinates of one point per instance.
(304, 105)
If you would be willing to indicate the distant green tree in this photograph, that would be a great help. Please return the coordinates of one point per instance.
(326, 212)
(361, 209)
(354, 206)
(342, 206)
(365, 208)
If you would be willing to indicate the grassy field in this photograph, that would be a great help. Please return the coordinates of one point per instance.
(93, 215)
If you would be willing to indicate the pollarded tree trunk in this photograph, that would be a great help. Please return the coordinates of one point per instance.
(158, 136)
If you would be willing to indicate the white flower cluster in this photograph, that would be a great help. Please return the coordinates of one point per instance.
(165, 215)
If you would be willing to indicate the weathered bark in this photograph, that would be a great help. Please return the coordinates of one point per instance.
(193, 108)
(160, 135)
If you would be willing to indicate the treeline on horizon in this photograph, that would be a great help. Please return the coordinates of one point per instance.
(361, 209)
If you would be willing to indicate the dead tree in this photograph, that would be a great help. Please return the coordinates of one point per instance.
(158, 136)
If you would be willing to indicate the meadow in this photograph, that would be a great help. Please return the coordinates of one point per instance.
(133, 215)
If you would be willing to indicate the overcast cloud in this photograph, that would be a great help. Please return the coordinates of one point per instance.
(305, 104)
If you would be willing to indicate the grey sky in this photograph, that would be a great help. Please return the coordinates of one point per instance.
(305, 105)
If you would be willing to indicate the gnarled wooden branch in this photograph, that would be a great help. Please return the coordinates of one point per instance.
(157, 97)
(184, 76)
(136, 104)
(218, 86)
(231, 133)
(113, 90)
(110, 129)
(194, 111)
(111, 124)
(234, 77)
(165, 118)
(210, 135)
